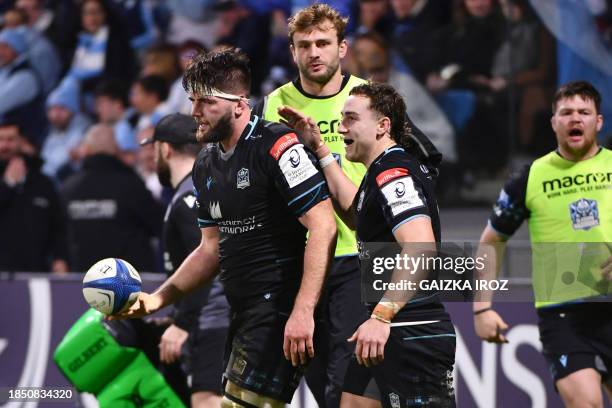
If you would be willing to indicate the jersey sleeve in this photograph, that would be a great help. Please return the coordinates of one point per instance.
(400, 196)
(205, 220)
(509, 211)
(297, 175)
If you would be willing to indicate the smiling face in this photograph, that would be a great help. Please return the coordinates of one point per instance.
(361, 128)
(576, 124)
(317, 52)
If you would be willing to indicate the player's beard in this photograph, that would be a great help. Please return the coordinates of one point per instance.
(221, 131)
(163, 171)
(323, 78)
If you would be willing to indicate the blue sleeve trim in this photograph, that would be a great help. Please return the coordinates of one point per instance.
(306, 206)
(409, 219)
(306, 193)
(206, 223)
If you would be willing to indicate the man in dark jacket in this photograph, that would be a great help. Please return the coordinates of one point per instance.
(31, 218)
(201, 319)
(110, 211)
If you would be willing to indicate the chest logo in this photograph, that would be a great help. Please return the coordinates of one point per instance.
(242, 178)
(215, 210)
(584, 214)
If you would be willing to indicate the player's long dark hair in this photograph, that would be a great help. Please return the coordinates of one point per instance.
(385, 100)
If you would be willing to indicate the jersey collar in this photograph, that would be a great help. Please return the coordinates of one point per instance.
(298, 85)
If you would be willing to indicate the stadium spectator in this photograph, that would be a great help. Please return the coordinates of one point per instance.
(414, 24)
(146, 98)
(373, 60)
(68, 126)
(373, 15)
(31, 216)
(405, 351)
(44, 58)
(14, 17)
(136, 17)
(178, 101)
(110, 211)
(22, 99)
(103, 48)
(192, 19)
(145, 165)
(200, 319)
(524, 64)
(459, 70)
(112, 108)
(254, 225)
(574, 319)
(161, 60)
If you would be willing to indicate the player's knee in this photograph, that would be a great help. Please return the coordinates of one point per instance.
(581, 389)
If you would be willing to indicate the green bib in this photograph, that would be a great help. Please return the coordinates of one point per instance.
(570, 226)
(326, 111)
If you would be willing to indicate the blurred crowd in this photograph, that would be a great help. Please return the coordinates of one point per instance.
(83, 81)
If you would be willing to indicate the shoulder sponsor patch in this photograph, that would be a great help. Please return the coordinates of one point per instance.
(388, 175)
(401, 195)
(282, 144)
(296, 166)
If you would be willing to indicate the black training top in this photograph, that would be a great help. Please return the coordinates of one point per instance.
(396, 189)
(255, 194)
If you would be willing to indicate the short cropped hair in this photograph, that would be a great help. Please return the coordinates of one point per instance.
(583, 89)
(314, 15)
(227, 70)
(385, 101)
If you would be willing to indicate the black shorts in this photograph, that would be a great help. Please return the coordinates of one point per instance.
(577, 336)
(256, 361)
(417, 370)
(206, 349)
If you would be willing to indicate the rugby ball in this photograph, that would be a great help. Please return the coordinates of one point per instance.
(111, 285)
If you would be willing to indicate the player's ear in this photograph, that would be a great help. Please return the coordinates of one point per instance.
(383, 126)
(292, 49)
(600, 121)
(166, 150)
(343, 48)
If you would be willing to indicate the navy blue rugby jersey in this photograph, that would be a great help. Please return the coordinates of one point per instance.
(396, 189)
(255, 194)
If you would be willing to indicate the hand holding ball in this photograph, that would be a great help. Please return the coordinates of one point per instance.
(111, 286)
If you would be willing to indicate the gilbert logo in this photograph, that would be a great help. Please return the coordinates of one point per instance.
(215, 210)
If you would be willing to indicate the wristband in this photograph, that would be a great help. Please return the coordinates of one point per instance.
(380, 318)
(383, 312)
(390, 304)
(326, 161)
(486, 309)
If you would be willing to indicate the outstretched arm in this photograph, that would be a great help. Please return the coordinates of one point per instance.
(199, 267)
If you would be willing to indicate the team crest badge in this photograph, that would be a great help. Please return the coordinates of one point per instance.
(394, 400)
(242, 178)
(584, 214)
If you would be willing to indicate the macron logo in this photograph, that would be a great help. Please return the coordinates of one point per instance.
(215, 210)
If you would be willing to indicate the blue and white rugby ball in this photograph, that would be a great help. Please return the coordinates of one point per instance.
(111, 285)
